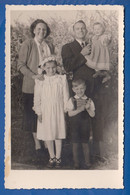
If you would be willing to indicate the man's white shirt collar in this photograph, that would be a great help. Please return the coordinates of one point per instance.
(80, 42)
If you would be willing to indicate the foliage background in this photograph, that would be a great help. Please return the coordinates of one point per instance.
(61, 33)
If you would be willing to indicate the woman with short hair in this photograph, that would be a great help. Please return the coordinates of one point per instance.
(32, 52)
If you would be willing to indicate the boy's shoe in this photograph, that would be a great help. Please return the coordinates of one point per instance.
(58, 163)
(51, 162)
(76, 166)
(87, 166)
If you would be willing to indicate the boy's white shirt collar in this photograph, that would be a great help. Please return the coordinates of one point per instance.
(84, 97)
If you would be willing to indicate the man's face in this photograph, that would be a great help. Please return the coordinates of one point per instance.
(80, 31)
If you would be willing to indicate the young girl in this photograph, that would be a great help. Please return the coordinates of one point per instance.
(99, 59)
(80, 109)
(50, 99)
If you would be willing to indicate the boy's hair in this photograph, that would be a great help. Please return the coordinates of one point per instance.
(77, 82)
(101, 24)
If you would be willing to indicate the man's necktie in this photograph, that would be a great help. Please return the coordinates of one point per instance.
(83, 44)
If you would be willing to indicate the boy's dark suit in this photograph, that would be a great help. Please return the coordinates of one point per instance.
(74, 61)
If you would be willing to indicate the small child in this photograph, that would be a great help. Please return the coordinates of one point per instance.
(80, 109)
(50, 99)
(99, 59)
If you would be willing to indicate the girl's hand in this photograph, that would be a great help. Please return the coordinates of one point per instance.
(105, 39)
(40, 118)
(38, 76)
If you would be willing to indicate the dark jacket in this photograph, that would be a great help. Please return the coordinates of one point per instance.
(74, 61)
(28, 63)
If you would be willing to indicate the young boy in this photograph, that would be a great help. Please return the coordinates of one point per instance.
(80, 109)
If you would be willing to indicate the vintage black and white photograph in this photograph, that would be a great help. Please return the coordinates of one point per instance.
(64, 77)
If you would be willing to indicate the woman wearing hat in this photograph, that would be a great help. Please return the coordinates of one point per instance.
(32, 52)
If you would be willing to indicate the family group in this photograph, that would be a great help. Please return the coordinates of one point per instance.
(53, 101)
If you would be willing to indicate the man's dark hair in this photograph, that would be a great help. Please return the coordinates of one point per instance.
(34, 24)
(79, 21)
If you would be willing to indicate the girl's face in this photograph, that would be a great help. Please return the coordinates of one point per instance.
(50, 68)
(40, 31)
(98, 29)
(80, 90)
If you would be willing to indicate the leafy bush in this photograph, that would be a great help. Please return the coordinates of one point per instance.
(60, 35)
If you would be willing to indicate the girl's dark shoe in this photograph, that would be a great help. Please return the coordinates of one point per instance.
(58, 163)
(51, 162)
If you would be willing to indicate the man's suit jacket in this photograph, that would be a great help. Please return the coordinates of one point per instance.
(74, 61)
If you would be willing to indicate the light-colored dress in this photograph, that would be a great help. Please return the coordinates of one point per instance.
(50, 99)
(99, 59)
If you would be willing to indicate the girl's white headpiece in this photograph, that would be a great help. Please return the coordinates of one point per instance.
(48, 59)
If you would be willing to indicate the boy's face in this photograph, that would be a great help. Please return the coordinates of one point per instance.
(50, 68)
(79, 90)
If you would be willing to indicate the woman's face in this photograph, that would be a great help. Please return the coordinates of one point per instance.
(40, 31)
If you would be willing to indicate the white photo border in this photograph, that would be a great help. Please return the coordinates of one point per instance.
(58, 179)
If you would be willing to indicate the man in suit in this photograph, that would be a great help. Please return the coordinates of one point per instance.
(73, 55)
(74, 62)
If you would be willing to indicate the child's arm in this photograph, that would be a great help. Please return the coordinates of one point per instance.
(37, 98)
(65, 92)
(105, 39)
(71, 108)
(77, 111)
(40, 118)
(90, 107)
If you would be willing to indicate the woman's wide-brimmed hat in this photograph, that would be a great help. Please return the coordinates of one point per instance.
(48, 59)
